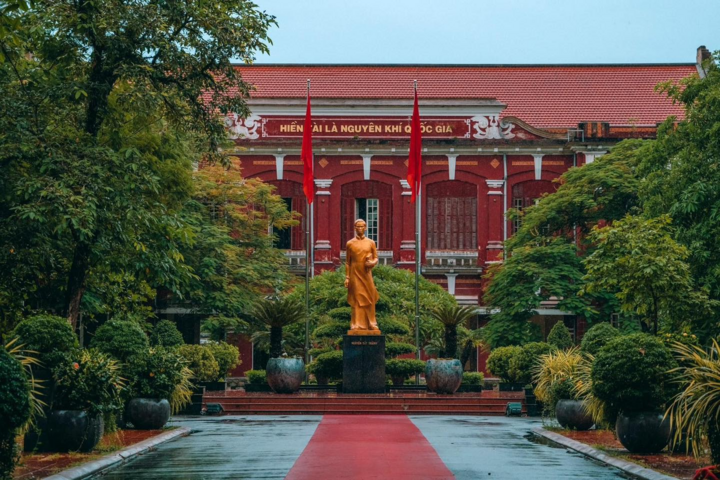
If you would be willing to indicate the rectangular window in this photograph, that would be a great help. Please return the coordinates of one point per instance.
(368, 210)
(517, 205)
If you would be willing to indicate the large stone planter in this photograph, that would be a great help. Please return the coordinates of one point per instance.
(147, 413)
(443, 376)
(285, 375)
(74, 430)
(572, 414)
(643, 432)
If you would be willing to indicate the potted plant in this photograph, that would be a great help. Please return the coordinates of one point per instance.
(472, 382)
(52, 339)
(400, 369)
(328, 365)
(629, 375)
(524, 362)
(227, 357)
(444, 374)
(205, 369)
(556, 375)
(498, 364)
(284, 374)
(257, 381)
(86, 387)
(160, 385)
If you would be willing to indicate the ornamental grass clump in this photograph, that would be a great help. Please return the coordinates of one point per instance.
(554, 376)
(695, 411)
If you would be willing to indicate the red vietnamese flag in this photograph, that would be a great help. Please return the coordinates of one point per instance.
(415, 157)
(306, 155)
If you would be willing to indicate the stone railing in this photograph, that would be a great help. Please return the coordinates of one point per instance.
(385, 257)
(448, 261)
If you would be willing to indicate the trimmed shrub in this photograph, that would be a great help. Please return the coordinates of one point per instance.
(523, 364)
(166, 334)
(560, 337)
(156, 373)
(498, 362)
(256, 377)
(404, 367)
(314, 352)
(393, 349)
(597, 337)
(328, 365)
(52, 337)
(391, 326)
(120, 339)
(200, 360)
(473, 378)
(227, 356)
(331, 330)
(630, 374)
(14, 409)
(89, 381)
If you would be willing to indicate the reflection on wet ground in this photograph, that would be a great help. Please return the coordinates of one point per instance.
(255, 447)
(504, 448)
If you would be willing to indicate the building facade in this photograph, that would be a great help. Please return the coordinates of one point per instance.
(494, 138)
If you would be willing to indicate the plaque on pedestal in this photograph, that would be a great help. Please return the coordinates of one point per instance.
(364, 364)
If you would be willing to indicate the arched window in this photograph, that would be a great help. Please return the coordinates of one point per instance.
(452, 216)
(371, 201)
(292, 238)
(526, 194)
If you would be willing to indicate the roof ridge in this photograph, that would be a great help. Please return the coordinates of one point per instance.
(464, 65)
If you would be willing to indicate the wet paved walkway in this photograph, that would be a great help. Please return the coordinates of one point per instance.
(254, 447)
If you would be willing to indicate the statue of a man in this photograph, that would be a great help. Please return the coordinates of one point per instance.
(362, 294)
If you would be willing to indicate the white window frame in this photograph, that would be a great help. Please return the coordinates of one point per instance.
(372, 208)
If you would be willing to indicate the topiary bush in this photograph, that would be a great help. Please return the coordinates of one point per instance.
(120, 339)
(166, 334)
(328, 365)
(50, 336)
(201, 362)
(630, 374)
(404, 367)
(227, 356)
(473, 378)
(560, 337)
(522, 365)
(597, 337)
(256, 377)
(14, 409)
(498, 362)
(393, 349)
(156, 373)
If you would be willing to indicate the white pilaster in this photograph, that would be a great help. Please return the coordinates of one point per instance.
(451, 282)
(538, 166)
(591, 156)
(366, 166)
(452, 160)
(279, 163)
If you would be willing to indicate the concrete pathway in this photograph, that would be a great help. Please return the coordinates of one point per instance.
(259, 447)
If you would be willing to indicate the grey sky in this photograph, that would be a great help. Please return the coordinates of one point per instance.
(482, 31)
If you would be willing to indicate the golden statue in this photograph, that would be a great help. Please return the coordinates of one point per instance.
(362, 294)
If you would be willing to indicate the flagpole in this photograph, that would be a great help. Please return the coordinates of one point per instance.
(417, 265)
(308, 216)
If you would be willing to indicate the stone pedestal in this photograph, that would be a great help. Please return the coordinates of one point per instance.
(364, 364)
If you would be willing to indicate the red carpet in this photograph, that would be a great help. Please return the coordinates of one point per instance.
(368, 447)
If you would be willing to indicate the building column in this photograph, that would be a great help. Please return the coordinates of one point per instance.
(407, 244)
(496, 219)
(591, 156)
(323, 255)
(279, 164)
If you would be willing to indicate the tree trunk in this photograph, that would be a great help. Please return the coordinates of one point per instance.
(450, 341)
(76, 282)
(275, 342)
(466, 352)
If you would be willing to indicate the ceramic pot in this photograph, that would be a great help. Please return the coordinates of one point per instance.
(643, 432)
(285, 375)
(74, 430)
(443, 376)
(572, 414)
(147, 413)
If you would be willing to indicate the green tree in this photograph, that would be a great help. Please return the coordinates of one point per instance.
(452, 317)
(83, 84)
(277, 314)
(560, 337)
(639, 260)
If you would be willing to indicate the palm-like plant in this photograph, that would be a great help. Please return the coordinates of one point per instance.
(277, 314)
(583, 390)
(452, 316)
(695, 411)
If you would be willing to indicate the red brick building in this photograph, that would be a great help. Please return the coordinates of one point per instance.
(495, 137)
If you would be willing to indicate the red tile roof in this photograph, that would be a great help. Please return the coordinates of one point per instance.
(544, 96)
